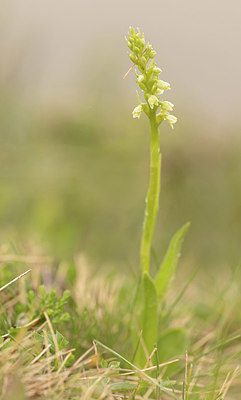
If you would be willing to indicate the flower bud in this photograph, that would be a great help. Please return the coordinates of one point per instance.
(140, 78)
(132, 30)
(143, 60)
(152, 54)
(148, 47)
(133, 57)
(143, 42)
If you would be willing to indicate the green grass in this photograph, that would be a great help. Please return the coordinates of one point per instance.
(90, 355)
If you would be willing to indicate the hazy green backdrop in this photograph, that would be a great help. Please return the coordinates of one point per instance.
(78, 184)
(73, 162)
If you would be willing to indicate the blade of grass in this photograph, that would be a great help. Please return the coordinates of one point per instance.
(179, 297)
(143, 374)
(14, 280)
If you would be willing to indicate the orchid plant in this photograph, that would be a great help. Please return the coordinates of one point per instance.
(151, 291)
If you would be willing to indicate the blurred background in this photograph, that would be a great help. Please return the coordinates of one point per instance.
(73, 162)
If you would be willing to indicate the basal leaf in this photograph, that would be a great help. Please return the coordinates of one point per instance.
(172, 344)
(149, 316)
(147, 319)
(169, 264)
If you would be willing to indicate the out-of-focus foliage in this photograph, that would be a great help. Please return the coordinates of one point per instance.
(78, 182)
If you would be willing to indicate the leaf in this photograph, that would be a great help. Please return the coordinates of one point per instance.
(147, 319)
(169, 264)
(149, 316)
(172, 343)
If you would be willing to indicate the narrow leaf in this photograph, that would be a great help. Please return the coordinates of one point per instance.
(169, 264)
(149, 316)
(148, 319)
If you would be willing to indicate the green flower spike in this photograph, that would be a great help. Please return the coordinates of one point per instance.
(142, 56)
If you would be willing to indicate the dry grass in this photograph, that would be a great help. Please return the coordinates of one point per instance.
(33, 370)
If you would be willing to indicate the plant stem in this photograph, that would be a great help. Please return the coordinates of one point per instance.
(152, 199)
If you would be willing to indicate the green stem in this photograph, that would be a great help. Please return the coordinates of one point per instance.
(152, 199)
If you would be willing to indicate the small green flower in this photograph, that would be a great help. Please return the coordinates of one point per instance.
(163, 85)
(166, 106)
(157, 70)
(137, 111)
(171, 119)
(153, 101)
